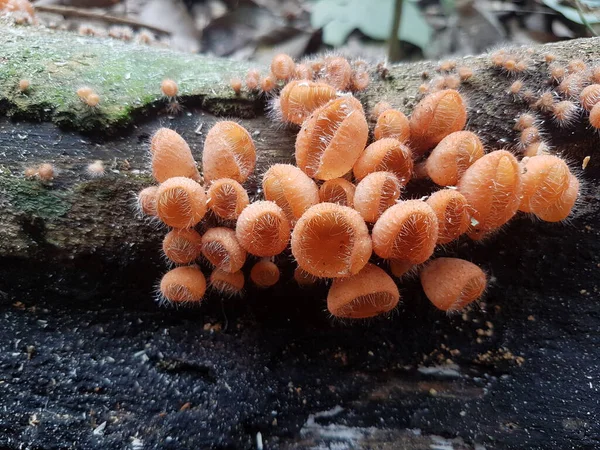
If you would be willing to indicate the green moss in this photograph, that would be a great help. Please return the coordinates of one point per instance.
(127, 76)
(33, 197)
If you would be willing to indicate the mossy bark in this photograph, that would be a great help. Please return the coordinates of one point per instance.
(76, 215)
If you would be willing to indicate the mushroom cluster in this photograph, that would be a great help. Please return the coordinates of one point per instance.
(342, 211)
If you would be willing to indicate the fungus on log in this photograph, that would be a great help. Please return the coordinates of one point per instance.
(71, 247)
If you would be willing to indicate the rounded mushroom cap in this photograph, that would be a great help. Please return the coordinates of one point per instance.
(182, 246)
(331, 241)
(392, 124)
(451, 158)
(222, 249)
(389, 155)
(338, 72)
(492, 187)
(291, 189)
(300, 98)
(171, 156)
(338, 190)
(282, 66)
(169, 88)
(452, 283)
(545, 179)
(561, 209)
(452, 211)
(227, 198)
(185, 284)
(146, 200)
(262, 229)
(264, 273)
(180, 202)
(227, 283)
(229, 152)
(375, 193)
(435, 117)
(368, 293)
(332, 138)
(406, 231)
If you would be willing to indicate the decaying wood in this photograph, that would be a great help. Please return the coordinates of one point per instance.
(75, 215)
(88, 361)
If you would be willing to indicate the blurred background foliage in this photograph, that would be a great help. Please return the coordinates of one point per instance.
(257, 29)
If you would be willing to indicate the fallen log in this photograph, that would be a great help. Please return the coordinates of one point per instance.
(88, 361)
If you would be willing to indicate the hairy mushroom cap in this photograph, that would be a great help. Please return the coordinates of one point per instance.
(185, 284)
(452, 283)
(180, 202)
(406, 231)
(392, 124)
(264, 273)
(222, 249)
(229, 152)
(331, 240)
(452, 211)
(182, 246)
(230, 284)
(492, 187)
(450, 159)
(262, 229)
(368, 293)
(332, 138)
(171, 156)
(291, 189)
(389, 155)
(435, 117)
(337, 190)
(375, 193)
(227, 198)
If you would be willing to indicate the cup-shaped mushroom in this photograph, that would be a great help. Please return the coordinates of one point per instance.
(299, 98)
(452, 283)
(222, 249)
(407, 231)
(451, 158)
(263, 229)
(452, 211)
(375, 193)
(331, 241)
(226, 283)
(435, 117)
(368, 293)
(338, 190)
(229, 152)
(227, 198)
(389, 155)
(180, 202)
(185, 284)
(492, 187)
(171, 156)
(264, 273)
(332, 138)
(182, 246)
(392, 124)
(291, 189)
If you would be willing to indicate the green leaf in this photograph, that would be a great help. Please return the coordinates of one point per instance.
(571, 13)
(339, 18)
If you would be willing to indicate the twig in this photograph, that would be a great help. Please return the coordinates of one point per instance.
(395, 47)
(579, 9)
(76, 12)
